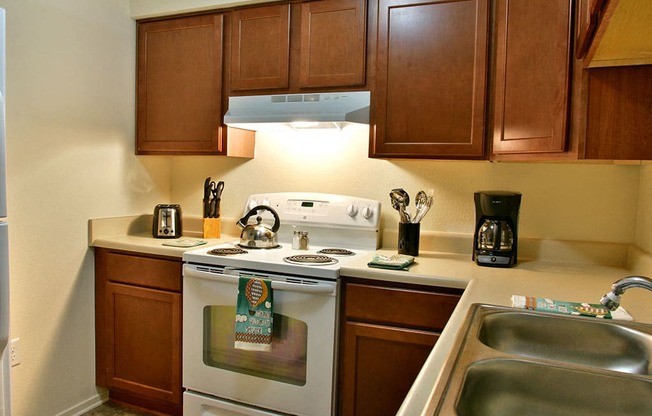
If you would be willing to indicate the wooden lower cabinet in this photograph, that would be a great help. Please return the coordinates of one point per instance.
(138, 329)
(387, 332)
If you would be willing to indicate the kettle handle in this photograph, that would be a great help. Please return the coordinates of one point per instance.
(242, 222)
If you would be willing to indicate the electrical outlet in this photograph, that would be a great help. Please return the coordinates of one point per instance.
(15, 352)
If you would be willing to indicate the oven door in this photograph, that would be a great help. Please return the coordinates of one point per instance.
(296, 377)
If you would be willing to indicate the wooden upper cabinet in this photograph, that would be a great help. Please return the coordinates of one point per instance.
(292, 47)
(532, 76)
(333, 43)
(179, 92)
(431, 70)
(619, 120)
(260, 48)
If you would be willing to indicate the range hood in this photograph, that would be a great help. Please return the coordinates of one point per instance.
(298, 111)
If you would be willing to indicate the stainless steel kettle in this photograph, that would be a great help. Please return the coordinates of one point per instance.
(259, 235)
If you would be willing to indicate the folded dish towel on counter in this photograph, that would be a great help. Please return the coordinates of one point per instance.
(254, 316)
(185, 243)
(395, 262)
(594, 310)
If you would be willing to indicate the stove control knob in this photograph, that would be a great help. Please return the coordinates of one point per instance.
(252, 204)
(367, 212)
(352, 210)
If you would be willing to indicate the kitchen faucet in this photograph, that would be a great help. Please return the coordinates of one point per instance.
(612, 299)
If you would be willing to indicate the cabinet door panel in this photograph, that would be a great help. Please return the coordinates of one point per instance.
(378, 366)
(332, 43)
(532, 76)
(260, 48)
(144, 341)
(619, 121)
(179, 85)
(387, 305)
(431, 76)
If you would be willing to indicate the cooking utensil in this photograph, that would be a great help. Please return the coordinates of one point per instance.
(259, 235)
(400, 201)
(423, 203)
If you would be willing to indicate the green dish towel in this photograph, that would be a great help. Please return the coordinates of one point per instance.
(254, 316)
(395, 262)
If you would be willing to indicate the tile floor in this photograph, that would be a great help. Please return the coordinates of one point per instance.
(116, 409)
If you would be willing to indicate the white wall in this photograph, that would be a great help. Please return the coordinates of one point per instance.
(589, 202)
(70, 143)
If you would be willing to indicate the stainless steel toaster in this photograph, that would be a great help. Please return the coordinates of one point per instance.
(167, 221)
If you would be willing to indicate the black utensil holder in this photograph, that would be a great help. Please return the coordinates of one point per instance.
(408, 238)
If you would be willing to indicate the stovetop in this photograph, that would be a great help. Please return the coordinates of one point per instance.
(331, 221)
(275, 260)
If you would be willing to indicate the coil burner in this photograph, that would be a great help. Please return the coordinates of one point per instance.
(310, 260)
(336, 252)
(227, 251)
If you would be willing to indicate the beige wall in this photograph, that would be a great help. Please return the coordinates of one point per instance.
(70, 141)
(70, 129)
(644, 218)
(589, 202)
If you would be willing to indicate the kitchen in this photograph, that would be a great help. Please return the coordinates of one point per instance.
(71, 129)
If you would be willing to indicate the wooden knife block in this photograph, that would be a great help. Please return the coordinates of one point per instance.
(212, 227)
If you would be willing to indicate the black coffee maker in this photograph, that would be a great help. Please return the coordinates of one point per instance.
(495, 241)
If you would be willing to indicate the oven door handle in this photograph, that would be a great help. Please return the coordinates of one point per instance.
(321, 288)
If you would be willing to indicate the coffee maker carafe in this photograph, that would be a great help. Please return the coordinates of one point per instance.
(495, 241)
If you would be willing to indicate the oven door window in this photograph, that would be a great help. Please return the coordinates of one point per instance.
(286, 362)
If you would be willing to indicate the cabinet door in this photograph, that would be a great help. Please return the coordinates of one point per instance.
(260, 48)
(588, 18)
(333, 39)
(619, 120)
(143, 345)
(378, 366)
(430, 74)
(180, 86)
(532, 76)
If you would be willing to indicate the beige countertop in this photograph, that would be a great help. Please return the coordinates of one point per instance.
(582, 280)
(575, 282)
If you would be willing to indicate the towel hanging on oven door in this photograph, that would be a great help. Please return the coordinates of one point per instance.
(254, 315)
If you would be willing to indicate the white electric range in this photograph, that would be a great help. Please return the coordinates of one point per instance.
(298, 375)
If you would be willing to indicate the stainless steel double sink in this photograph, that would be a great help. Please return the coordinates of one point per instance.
(518, 362)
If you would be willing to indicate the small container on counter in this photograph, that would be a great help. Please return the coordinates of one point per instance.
(300, 241)
(408, 238)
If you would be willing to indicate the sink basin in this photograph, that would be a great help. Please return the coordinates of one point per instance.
(513, 387)
(509, 361)
(584, 341)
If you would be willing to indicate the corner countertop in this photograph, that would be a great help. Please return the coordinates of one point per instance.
(576, 281)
